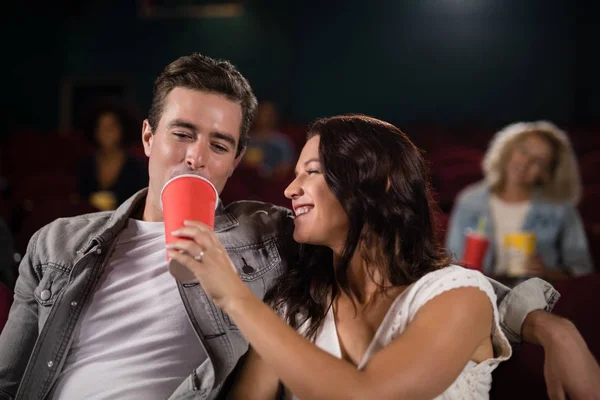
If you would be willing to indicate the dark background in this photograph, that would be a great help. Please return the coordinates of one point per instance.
(403, 61)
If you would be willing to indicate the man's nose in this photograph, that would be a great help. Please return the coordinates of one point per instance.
(196, 155)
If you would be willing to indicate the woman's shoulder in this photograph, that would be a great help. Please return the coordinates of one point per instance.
(406, 307)
(561, 209)
(474, 193)
(448, 278)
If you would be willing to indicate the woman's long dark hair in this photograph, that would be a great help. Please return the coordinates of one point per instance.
(380, 179)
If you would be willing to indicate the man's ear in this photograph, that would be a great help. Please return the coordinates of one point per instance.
(147, 137)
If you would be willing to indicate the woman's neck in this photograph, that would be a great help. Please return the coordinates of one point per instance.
(515, 193)
(110, 153)
(364, 280)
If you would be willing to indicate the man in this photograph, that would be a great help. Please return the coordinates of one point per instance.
(97, 315)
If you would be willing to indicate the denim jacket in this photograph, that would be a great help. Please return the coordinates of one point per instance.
(560, 237)
(65, 259)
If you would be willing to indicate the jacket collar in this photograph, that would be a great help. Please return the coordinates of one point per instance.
(223, 220)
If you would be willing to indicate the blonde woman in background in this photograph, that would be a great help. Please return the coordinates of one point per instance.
(531, 184)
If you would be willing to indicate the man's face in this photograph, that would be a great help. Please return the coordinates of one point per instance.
(198, 132)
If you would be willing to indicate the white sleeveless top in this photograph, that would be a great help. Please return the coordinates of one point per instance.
(475, 380)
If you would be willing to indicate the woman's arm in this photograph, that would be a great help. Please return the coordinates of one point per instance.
(257, 380)
(420, 364)
(574, 250)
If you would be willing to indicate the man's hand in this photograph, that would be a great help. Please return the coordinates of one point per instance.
(570, 369)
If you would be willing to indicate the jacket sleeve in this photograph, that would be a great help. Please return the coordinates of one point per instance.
(574, 251)
(515, 304)
(19, 335)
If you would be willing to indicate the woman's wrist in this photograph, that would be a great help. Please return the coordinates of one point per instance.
(235, 304)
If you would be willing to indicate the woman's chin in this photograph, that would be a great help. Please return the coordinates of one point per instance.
(300, 238)
(304, 238)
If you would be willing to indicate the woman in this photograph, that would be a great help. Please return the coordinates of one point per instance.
(111, 175)
(374, 310)
(531, 184)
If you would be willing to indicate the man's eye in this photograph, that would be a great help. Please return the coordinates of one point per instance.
(220, 148)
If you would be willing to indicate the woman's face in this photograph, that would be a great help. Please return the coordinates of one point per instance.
(108, 131)
(529, 161)
(320, 218)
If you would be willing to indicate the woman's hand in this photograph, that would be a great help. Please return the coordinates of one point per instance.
(535, 267)
(204, 255)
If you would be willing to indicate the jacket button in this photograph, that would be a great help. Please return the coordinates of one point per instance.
(247, 269)
(45, 295)
(99, 251)
(50, 364)
(73, 304)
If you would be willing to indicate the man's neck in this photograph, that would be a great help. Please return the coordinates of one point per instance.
(149, 212)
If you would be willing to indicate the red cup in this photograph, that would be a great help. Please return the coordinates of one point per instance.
(476, 247)
(186, 197)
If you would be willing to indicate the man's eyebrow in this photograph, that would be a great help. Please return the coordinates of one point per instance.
(180, 123)
(224, 136)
